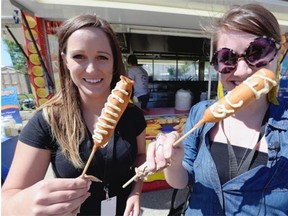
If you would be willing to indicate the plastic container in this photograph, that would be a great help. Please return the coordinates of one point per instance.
(183, 100)
(9, 126)
(203, 96)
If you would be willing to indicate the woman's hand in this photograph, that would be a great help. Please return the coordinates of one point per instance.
(49, 197)
(133, 205)
(162, 154)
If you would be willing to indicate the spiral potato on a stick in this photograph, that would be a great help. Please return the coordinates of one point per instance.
(261, 82)
(112, 111)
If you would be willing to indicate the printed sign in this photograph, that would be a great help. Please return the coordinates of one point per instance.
(10, 104)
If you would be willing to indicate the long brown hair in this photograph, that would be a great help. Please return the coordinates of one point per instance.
(63, 111)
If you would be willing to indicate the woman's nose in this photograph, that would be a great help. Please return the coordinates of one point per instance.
(242, 69)
(91, 66)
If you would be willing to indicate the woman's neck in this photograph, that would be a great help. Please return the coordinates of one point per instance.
(253, 114)
(242, 128)
(91, 110)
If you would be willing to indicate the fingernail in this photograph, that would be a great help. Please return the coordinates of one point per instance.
(87, 195)
(88, 186)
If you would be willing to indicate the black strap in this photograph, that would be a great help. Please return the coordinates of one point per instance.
(181, 208)
(108, 163)
(234, 168)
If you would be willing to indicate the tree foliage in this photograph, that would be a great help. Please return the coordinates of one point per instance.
(17, 57)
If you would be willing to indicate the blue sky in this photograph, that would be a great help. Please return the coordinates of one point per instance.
(5, 56)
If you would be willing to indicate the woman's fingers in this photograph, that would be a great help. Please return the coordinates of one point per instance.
(68, 184)
(160, 145)
(65, 207)
(159, 152)
(60, 196)
(150, 156)
(63, 196)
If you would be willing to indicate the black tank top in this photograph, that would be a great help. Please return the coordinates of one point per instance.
(220, 156)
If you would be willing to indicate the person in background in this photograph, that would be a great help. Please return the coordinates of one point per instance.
(61, 131)
(141, 79)
(238, 166)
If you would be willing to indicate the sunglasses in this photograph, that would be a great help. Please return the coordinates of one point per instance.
(259, 53)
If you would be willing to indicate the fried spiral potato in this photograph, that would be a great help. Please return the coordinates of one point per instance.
(261, 82)
(113, 109)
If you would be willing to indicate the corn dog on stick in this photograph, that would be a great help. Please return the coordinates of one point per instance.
(261, 82)
(113, 109)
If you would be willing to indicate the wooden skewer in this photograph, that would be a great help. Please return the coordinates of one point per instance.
(134, 178)
(197, 125)
(89, 161)
(143, 167)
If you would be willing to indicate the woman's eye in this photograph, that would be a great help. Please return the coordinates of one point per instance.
(78, 57)
(102, 58)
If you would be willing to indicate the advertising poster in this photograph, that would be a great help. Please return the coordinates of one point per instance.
(10, 104)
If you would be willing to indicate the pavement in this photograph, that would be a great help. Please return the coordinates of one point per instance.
(157, 203)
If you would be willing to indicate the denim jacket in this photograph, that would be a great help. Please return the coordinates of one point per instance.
(259, 191)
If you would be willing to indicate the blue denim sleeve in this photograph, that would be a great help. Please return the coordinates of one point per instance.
(191, 143)
(277, 131)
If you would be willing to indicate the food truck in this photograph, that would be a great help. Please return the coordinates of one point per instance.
(166, 36)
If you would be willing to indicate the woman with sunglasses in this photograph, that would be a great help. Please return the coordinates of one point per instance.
(238, 166)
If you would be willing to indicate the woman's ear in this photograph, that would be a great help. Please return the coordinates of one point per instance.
(64, 58)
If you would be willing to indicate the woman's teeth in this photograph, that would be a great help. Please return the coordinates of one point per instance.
(237, 83)
(93, 80)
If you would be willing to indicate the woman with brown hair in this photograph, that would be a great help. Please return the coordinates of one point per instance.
(239, 165)
(61, 132)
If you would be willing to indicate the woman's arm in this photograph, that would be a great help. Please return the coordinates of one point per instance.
(26, 193)
(133, 202)
(141, 157)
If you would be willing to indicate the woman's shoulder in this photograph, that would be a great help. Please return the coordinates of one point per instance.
(203, 104)
(132, 117)
(133, 113)
(199, 108)
(133, 109)
(37, 116)
(37, 132)
(279, 111)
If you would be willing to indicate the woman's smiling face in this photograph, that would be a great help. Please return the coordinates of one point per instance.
(89, 59)
(238, 42)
